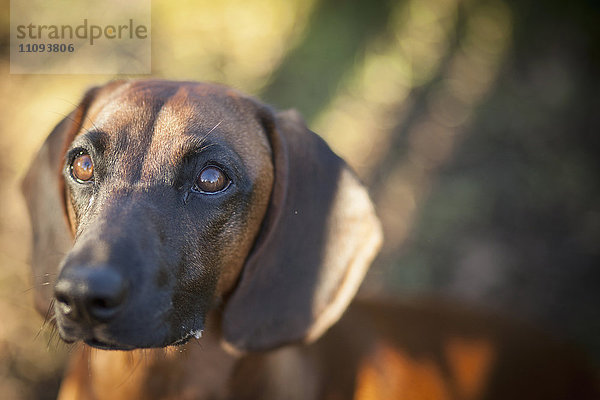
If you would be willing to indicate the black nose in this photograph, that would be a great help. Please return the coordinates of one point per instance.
(90, 294)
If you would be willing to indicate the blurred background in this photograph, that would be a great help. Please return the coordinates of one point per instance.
(475, 124)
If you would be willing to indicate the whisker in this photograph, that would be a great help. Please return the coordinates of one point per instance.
(87, 117)
(53, 334)
(35, 286)
(45, 275)
(211, 131)
(74, 347)
(69, 118)
(49, 311)
(54, 253)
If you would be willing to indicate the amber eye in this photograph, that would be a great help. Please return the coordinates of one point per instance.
(211, 180)
(82, 168)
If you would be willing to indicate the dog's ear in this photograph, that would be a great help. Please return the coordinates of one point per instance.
(44, 191)
(318, 238)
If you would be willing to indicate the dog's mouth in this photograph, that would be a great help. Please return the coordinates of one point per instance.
(99, 344)
(106, 345)
(97, 337)
(88, 337)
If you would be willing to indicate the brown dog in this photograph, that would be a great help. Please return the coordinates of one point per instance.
(189, 210)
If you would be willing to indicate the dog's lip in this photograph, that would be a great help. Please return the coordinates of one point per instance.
(71, 334)
(99, 344)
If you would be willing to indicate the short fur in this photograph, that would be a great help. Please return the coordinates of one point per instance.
(264, 268)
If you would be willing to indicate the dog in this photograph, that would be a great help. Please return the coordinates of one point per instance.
(202, 245)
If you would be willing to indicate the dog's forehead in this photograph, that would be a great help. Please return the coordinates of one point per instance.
(173, 109)
(161, 118)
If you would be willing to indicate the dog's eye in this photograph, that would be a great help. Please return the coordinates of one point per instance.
(82, 168)
(211, 180)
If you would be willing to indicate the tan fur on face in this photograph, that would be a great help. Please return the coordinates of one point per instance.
(160, 133)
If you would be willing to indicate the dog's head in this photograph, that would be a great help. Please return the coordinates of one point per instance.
(154, 203)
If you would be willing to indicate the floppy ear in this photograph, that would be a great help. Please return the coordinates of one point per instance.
(318, 238)
(44, 191)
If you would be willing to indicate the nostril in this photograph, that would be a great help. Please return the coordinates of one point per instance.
(106, 307)
(103, 310)
(100, 303)
(108, 291)
(64, 304)
(64, 301)
(61, 298)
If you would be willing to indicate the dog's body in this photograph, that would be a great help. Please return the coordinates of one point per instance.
(189, 210)
(377, 351)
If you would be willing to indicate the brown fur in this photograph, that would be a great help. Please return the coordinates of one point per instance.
(266, 269)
